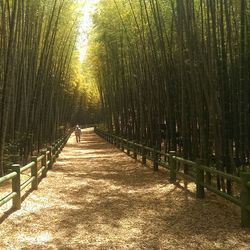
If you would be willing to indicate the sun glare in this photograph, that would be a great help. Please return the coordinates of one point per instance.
(86, 24)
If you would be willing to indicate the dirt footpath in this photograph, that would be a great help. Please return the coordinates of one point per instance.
(96, 197)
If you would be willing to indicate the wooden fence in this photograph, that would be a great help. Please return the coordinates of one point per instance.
(170, 161)
(38, 167)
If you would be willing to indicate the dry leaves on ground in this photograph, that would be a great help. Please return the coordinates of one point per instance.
(96, 197)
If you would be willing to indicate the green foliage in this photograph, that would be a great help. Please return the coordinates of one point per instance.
(184, 64)
(39, 72)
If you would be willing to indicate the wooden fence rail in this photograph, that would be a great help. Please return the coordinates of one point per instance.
(45, 161)
(170, 160)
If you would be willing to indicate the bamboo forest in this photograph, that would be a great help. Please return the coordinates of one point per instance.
(181, 66)
(139, 110)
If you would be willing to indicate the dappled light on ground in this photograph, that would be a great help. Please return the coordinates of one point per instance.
(96, 197)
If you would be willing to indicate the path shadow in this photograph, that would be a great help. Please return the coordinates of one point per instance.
(27, 192)
(6, 214)
(109, 211)
(110, 199)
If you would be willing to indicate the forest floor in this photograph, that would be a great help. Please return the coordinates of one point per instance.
(97, 197)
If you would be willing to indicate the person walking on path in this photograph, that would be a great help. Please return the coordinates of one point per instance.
(78, 133)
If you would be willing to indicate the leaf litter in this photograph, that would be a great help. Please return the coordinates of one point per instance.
(97, 197)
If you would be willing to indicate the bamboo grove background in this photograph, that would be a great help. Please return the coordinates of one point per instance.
(40, 80)
(175, 75)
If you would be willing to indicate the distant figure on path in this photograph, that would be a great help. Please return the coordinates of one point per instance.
(78, 133)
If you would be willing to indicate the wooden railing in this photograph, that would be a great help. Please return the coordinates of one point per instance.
(170, 161)
(38, 168)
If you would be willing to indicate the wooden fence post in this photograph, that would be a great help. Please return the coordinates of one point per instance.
(53, 152)
(135, 153)
(245, 199)
(200, 193)
(120, 142)
(122, 145)
(34, 184)
(128, 150)
(44, 163)
(155, 160)
(172, 165)
(50, 158)
(65, 139)
(16, 186)
(57, 149)
(143, 155)
(117, 142)
(60, 146)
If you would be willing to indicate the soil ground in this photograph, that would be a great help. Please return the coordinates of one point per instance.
(97, 197)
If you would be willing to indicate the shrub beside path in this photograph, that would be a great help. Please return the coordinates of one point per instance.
(96, 197)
